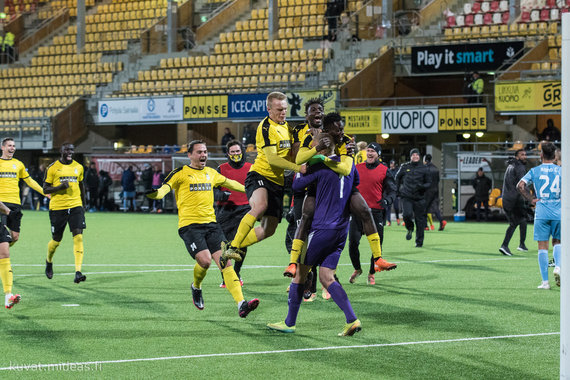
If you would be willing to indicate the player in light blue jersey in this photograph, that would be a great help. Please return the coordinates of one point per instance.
(546, 179)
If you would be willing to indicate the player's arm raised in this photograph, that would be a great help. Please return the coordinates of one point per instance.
(343, 167)
(233, 185)
(158, 193)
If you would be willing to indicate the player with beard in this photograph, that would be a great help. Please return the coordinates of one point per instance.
(64, 181)
(232, 205)
(193, 187)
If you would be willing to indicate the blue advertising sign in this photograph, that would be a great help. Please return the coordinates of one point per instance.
(247, 106)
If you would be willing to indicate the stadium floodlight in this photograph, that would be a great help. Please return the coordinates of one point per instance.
(479, 134)
(466, 135)
(385, 135)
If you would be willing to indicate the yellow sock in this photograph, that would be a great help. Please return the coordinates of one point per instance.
(250, 239)
(199, 274)
(374, 241)
(245, 226)
(6, 275)
(232, 284)
(78, 251)
(430, 219)
(52, 246)
(296, 249)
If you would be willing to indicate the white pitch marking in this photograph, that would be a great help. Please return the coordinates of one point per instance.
(246, 353)
(70, 305)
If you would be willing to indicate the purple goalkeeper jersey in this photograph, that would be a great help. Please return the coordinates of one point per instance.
(333, 193)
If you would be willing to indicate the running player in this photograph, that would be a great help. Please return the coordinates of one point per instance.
(193, 187)
(546, 179)
(5, 267)
(11, 171)
(64, 180)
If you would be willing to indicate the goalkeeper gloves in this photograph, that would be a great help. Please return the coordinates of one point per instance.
(316, 159)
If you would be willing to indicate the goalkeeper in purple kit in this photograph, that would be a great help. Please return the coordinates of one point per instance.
(326, 241)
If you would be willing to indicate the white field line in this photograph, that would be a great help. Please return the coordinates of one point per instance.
(183, 268)
(249, 353)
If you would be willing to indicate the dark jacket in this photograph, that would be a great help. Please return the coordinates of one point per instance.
(146, 178)
(482, 186)
(91, 178)
(434, 178)
(128, 180)
(515, 171)
(413, 180)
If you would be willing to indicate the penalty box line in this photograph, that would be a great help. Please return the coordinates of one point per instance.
(308, 349)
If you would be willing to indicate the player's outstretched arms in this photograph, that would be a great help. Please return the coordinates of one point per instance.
(158, 193)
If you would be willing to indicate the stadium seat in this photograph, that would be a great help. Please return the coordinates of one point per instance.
(505, 17)
(478, 19)
(525, 16)
(476, 7)
(451, 22)
(534, 15)
(554, 14)
(485, 7)
(497, 18)
(459, 20)
(487, 18)
(467, 8)
(469, 20)
(494, 6)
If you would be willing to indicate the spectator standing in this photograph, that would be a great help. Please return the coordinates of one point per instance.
(482, 185)
(38, 176)
(226, 138)
(146, 179)
(129, 190)
(105, 183)
(157, 180)
(476, 87)
(514, 204)
(92, 182)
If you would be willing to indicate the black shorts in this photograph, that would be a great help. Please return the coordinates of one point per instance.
(75, 217)
(200, 237)
(5, 236)
(254, 181)
(228, 218)
(14, 220)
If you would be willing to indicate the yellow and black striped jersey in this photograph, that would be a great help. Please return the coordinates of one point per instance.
(73, 174)
(11, 171)
(269, 133)
(340, 149)
(194, 191)
(299, 132)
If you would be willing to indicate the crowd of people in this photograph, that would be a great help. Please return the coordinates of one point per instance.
(334, 199)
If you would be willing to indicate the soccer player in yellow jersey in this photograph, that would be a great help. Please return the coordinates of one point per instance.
(360, 156)
(64, 181)
(11, 171)
(264, 182)
(5, 267)
(193, 187)
(333, 124)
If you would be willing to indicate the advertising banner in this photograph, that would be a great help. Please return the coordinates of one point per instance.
(472, 162)
(461, 119)
(297, 102)
(465, 57)
(528, 96)
(362, 121)
(247, 106)
(206, 107)
(410, 121)
(139, 110)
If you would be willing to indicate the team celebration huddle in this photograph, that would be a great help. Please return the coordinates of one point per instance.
(335, 199)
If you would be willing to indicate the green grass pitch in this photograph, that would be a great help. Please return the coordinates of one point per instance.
(455, 309)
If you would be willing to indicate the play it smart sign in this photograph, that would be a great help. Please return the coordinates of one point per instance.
(465, 57)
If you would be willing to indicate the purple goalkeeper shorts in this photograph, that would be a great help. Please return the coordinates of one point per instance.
(324, 247)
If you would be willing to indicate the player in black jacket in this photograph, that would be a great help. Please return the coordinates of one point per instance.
(413, 180)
